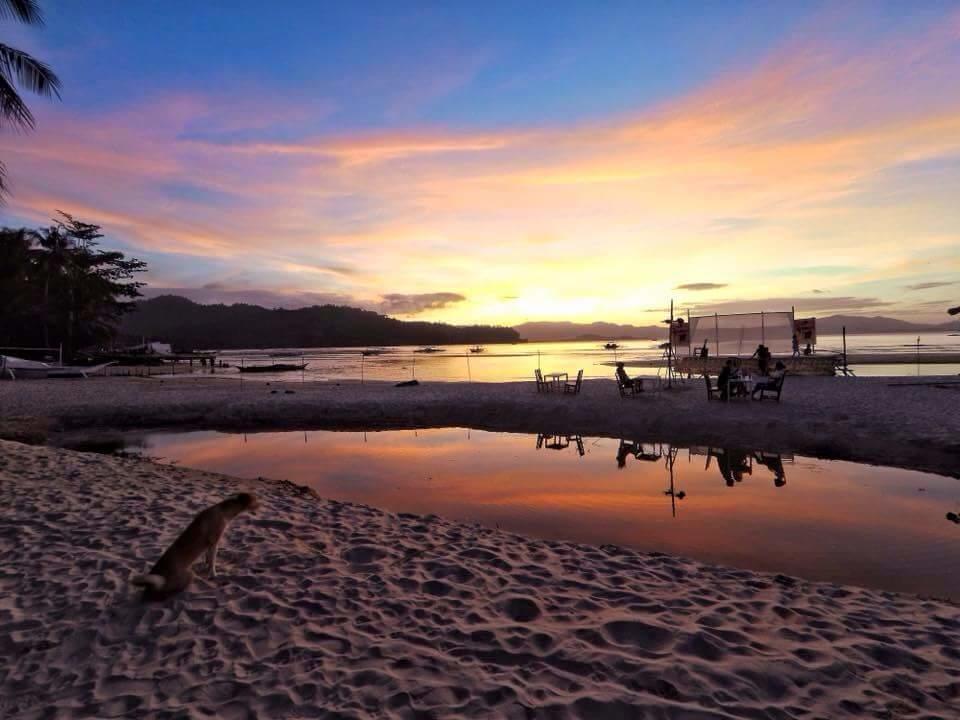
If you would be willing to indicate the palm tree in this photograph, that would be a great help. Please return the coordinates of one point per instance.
(19, 68)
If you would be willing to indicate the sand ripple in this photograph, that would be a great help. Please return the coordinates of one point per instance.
(325, 609)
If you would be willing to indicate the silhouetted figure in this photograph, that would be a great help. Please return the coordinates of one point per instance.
(723, 379)
(635, 384)
(779, 370)
(774, 463)
(726, 469)
(704, 351)
(796, 345)
(762, 354)
(808, 350)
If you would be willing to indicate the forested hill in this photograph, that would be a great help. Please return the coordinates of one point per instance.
(190, 326)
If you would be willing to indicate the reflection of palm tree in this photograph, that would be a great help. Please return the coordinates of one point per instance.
(19, 68)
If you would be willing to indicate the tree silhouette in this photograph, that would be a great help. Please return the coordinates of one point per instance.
(17, 68)
(57, 286)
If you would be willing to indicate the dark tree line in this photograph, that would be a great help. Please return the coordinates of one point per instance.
(57, 286)
(190, 326)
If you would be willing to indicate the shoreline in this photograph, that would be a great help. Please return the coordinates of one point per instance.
(323, 606)
(834, 418)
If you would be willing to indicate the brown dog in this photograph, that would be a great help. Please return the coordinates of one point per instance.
(172, 572)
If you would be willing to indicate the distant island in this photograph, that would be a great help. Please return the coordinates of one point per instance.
(189, 326)
(559, 331)
(830, 325)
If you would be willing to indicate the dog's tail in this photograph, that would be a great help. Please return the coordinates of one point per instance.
(154, 582)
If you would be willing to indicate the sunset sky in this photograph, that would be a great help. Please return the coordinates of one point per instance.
(504, 162)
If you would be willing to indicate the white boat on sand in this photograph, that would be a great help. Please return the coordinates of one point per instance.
(16, 368)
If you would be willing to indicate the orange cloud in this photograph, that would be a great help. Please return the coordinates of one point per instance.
(794, 147)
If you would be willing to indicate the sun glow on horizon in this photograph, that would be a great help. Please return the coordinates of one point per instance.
(813, 168)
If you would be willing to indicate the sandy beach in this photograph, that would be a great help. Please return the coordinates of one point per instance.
(901, 422)
(325, 609)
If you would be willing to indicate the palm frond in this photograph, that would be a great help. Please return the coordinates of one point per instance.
(29, 72)
(26, 11)
(13, 111)
(4, 187)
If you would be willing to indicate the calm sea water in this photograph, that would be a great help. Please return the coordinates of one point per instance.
(818, 519)
(499, 363)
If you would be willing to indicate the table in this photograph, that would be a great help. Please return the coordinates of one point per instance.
(745, 383)
(555, 378)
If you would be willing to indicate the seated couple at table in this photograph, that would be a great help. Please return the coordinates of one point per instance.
(732, 383)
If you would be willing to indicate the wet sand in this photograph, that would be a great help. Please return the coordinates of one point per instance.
(889, 421)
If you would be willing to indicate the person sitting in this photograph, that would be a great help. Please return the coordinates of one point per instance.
(808, 350)
(723, 379)
(704, 351)
(779, 370)
(634, 384)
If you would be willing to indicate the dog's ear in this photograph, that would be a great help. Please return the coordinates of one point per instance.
(248, 501)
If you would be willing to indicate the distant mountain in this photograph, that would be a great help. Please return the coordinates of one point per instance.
(188, 326)
(863, 325)
(830, 325)
(555, 331)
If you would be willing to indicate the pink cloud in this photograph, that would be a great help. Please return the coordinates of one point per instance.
(785, 142)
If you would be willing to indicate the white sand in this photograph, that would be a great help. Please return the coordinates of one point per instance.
(329, 609)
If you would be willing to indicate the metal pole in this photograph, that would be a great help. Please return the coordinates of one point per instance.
(763, 330)
(61, 354)
(716, 326)
(844, 349)
(689, 344)
(361, 368)
(670, 349)
(467, 356)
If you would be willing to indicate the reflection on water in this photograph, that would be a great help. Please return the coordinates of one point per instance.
(837, 521)
(561, 442)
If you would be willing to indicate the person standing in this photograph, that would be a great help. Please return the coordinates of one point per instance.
(796, 345)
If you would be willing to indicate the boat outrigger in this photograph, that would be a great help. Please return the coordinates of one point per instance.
(20, 369)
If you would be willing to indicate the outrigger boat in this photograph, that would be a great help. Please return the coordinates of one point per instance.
(611, 346)
(275, 367)
(476, 349)
(20, 369)
(429, 349)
